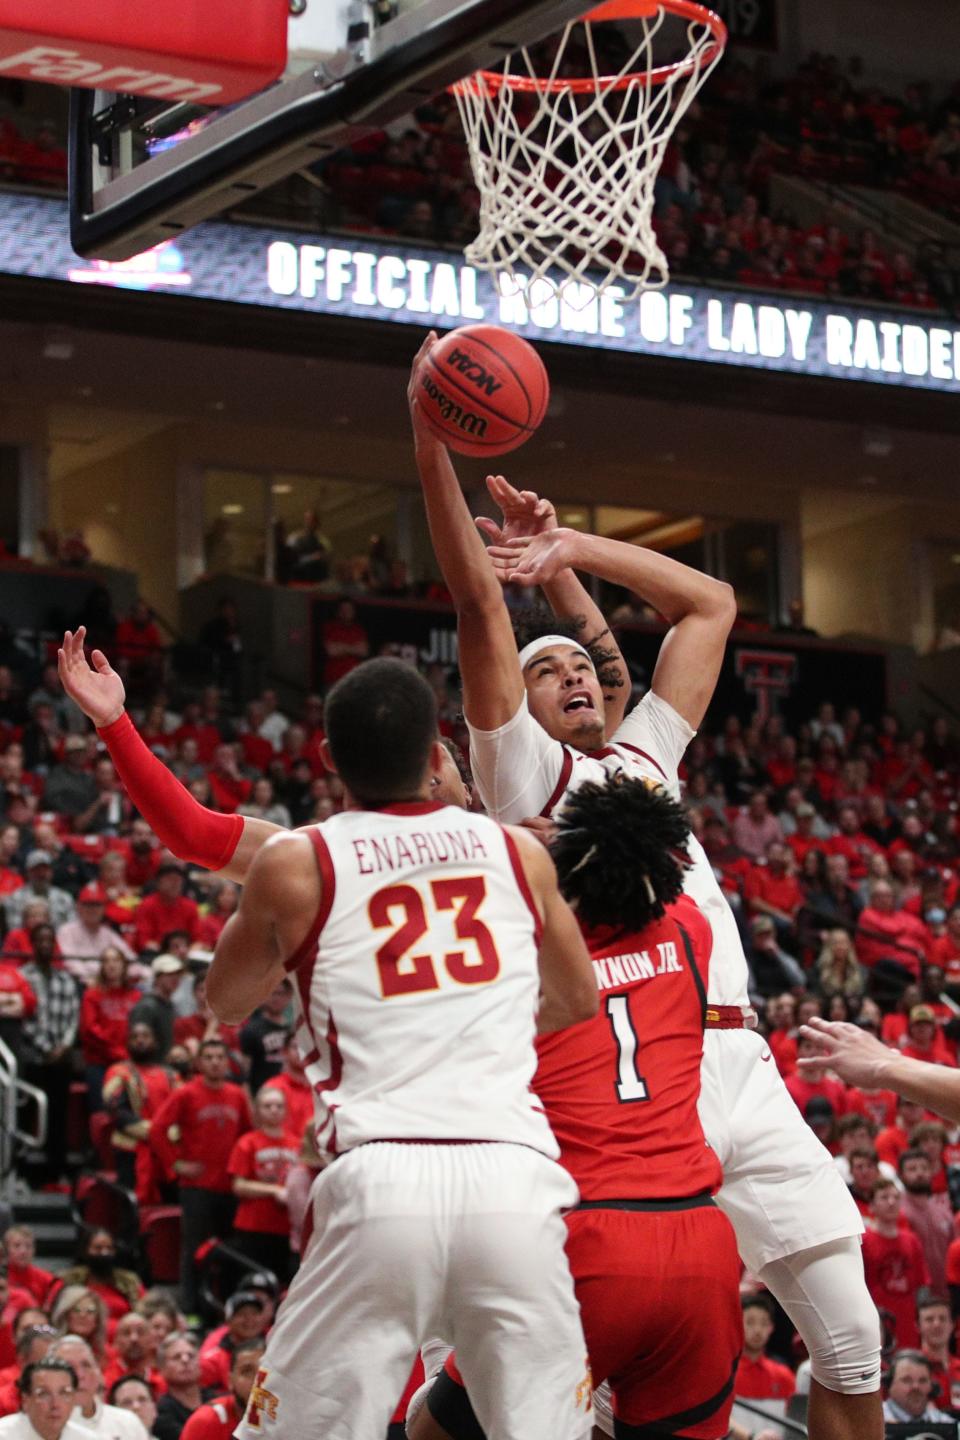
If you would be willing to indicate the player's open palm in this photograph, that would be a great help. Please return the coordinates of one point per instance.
(96, 688)
(523, 512)
(533, 560)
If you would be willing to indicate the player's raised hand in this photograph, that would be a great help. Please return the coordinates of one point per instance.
(524, 513)
(96, 688)
(536, 559)
(854, 1055)
(420, 429)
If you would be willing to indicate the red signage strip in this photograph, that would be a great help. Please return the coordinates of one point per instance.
(209, 52)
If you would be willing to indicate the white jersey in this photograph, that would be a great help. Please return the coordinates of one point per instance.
(419, 983)
(520, 771)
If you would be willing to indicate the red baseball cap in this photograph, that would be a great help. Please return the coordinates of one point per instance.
(92, 895)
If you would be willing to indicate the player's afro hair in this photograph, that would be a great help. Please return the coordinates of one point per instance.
(621, 852)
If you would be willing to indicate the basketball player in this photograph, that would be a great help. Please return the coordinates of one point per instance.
(537, 730)
(654, 1261)
(412, 930)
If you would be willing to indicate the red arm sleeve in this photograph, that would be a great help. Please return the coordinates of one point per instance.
(190, 830)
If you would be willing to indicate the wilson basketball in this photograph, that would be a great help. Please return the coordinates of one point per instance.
(483, 390)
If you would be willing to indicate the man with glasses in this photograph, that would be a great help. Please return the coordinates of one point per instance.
(48, 1393)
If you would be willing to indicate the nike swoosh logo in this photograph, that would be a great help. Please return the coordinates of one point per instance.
(765, 1057)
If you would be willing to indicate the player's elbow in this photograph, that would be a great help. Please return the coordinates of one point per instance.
(723, 603)
(574, 1004)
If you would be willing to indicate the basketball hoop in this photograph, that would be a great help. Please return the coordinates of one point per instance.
(566, 163)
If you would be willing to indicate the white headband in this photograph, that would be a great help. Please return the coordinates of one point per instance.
(547, 642)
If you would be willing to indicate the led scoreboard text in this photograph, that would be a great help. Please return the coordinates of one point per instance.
(372, 279)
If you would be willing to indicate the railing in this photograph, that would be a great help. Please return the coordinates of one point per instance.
(782, 1422)
(13, 1093)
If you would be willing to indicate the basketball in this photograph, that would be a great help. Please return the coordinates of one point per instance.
(483, 390)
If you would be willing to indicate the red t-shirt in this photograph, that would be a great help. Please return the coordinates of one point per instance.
(12, 982)
(31, 1278)
(801, 845)
(117, 1367)
(781, 891)
(891, 1143)
(902, 937)
(228, 791)
(783, 1047)
(258, 1156)
(645, 1043)
(214, 1421)
(763, 1379)
(879, 1106)
(946, 953)
(156, 917)
(104, 1016)
(803, 1091)
(136, 642)
(857, 848)
(895, 1269)
(203, 1123)
(299, 1097)
(946, 1378)
(340, 632)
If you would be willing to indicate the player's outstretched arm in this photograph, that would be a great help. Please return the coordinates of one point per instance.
(568, 986)
(526, 514)
(492, 684)
(224, 843)
(278, 905)
(858, 1058)
(700, 610)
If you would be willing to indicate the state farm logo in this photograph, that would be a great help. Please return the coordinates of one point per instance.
(58, 66)
(472, 370)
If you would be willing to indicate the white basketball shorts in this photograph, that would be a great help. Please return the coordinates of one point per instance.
(781, 1190)
(414, 1240)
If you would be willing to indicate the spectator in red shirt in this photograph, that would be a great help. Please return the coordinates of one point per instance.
(295, 1088)
(201, 1122)
(19, 1246)
(345, 643)
(228, 788)
(945, 951)
(758, 1377)
(211, 924)
(935, 1324)
(804, 839)
(258, 1166)
(133, 1353)
(773, 890)
(893, 1262)
(931, 1137)
(925, 1040)
(218, 1419)
(864, 1174)
(852, 842)
(892, 1141)
(104, 1020)
(134, 1090)
(248, 1317)
(885, 933)
(829, 1088)
(929, 1214)
(166, 909)
(138, 639)
(33, 1343)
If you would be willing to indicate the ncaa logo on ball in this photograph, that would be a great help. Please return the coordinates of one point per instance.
(473, 371)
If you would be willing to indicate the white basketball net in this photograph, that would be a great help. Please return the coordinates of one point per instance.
(566, 177)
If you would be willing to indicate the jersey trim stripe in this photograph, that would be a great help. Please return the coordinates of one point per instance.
(681, 1419)
(695, 972)
(524, 886)
(622, 744)
(328, 881)
(566, 769)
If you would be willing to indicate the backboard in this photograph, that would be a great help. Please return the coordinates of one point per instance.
(144, 170)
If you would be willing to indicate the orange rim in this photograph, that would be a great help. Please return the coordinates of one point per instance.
(616, 10)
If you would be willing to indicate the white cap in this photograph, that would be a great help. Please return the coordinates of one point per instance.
(547, 642)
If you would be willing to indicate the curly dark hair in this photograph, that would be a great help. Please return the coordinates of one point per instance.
(621, 852)
(540, 621)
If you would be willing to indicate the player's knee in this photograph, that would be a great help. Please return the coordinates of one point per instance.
(847, 1359)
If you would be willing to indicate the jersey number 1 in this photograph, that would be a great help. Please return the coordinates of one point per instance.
(630, 1083)
(402, 973)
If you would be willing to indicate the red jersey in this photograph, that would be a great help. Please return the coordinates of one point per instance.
(783, 1048)
(258, 1156)
(803, 1091)
(780, 891)
(621, 1090)
(763, 1379)
(203, 1123)
(895, 1269)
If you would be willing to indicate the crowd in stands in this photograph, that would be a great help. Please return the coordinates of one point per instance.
(837, 844)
